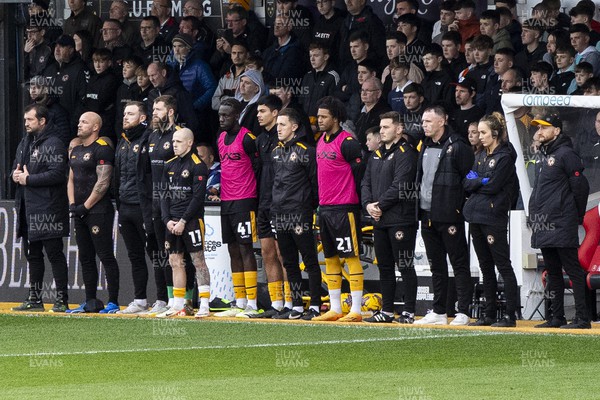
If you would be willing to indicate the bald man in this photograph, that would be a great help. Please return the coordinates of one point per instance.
(182, 211)
(90, 170)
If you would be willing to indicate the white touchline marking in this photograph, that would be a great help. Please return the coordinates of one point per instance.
(246, 346)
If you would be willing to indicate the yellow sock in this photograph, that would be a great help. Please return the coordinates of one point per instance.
(287, 292)
(179, 292)
(356, 274)
(333, 269)
(275, 290)
(250, 281)
(239, 287)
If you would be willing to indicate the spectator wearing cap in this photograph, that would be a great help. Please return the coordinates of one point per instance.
(436, 84)
(580, 40)
(169, 26)
(373, 105)
(167, 82)
(152, 48)
(58, 116)
(328, 29)
(194, 73)
(466, 23)
(68, 77)
(540, 78)
(533, 47)
(503, 61)
(564, 74)
(251, 88)
(454, 61)
(193, 23)
(556, 209)
(37, 52)
(119, 10)
(584, 15)
(467, 112)
(361, 17)
(447, 17)
(83, 17)
(489, 24)
(285, 59)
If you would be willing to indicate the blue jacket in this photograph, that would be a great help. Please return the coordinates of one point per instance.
(197, 78)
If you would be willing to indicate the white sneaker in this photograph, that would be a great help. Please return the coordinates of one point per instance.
(158, 307)
(432, 319)
(134, 308)
(171, 312)
(232, 312)
(247, 313)
(202, 312)
(460, 319)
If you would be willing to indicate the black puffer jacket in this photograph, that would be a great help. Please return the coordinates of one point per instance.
(448, 194)
(489, 204)
(559, 197)
(389, 180)
(127, 157)
(295, 178)
(45, 195)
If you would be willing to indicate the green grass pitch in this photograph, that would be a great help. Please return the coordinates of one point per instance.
(47, 357)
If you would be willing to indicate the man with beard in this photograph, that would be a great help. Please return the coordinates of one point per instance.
(159, 150)
(131, 218)
(91, 165)
(39, 171)
(58, 116)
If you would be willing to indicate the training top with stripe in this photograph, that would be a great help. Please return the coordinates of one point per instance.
(186, 179)
(83, 162)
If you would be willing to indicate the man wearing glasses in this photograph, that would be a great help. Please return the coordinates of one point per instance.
(37, 51)
(373, 105)
(193, 10)
(119, 10)
(169, 27)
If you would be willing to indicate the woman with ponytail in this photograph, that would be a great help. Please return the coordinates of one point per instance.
(491, 183)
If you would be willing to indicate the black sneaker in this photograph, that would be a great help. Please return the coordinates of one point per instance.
(30, 305)
(265, 314)
(283, 314)
(553, 323)
(59, 307)
(310, 314)
(483, 321)
(577, 324)
(504, 322)
(219, 304)
(406, 318)
(296, 314)
(379, 317)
